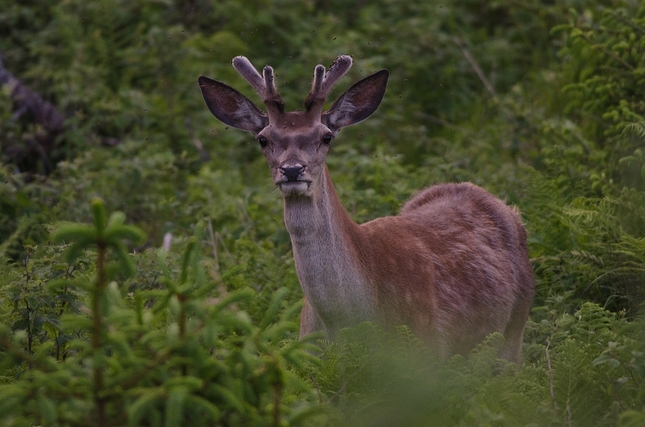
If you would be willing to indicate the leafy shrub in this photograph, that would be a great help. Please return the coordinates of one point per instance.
(539, 103)
(160, 356)
(584, 368)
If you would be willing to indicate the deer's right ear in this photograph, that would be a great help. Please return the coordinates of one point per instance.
(231, 107)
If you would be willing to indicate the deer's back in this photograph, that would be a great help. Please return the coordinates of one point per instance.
(455, 270)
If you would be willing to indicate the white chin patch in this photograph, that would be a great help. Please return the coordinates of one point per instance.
(299, 188)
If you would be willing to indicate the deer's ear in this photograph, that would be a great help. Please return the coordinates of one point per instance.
(358, 103)
(231, 107)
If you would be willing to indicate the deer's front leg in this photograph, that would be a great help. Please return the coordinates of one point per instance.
(309, 320)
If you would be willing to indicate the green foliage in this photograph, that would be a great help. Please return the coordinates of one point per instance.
(607, 69)
(24, 209)
(538, 102)
(582, 369)
(587, 248)
(170, 355)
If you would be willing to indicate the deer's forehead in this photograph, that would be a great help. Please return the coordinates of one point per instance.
(297, 119)
(296, 125)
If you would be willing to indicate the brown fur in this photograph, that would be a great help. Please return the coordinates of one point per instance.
(453, 265)
(458, 255)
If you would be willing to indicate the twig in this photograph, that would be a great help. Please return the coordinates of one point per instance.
(277, 397)
(97, 333)
(628, 22)
(221, 241)
(606, 51)
(9, 347)
(434, 119)
(317, 387)
(548, 364)
(476, 67)
(346, 381)
(30, 335)
(213, 244)
(132, 380)
(203, 153)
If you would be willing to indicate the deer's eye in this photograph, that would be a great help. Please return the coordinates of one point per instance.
(326, 139)
(263, 141)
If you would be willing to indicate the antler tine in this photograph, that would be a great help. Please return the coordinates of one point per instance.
(269, 80)
(319, 76)
(250, 74)
(272, 99)
(323, 82)
(338, 68)
(264, 85)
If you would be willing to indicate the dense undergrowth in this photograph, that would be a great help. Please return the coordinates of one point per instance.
(104, 324)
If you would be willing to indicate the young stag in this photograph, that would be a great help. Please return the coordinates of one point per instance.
(452, 265)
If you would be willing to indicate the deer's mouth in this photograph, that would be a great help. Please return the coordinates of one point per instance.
(294, 188)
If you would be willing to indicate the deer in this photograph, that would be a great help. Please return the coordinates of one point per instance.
(452, 265)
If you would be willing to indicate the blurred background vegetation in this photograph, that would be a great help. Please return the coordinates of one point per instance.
(539, 102)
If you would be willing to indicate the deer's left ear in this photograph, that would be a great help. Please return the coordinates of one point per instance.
(358, 103)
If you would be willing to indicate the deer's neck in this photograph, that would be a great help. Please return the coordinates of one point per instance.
(326, 244)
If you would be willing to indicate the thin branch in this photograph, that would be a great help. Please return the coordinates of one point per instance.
(475, 65)
(277, 398)
(97, 334)
(8, 346)
(346, 382)
(317, 387)
(221, 241)
(548, 364)
(434, 119)
(628, 22)
(606, 51)
(204, 157)
(132, 380)
(212, 242)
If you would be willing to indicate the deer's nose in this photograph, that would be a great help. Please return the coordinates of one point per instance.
(292, 172)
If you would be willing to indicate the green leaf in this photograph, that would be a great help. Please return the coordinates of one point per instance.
(116, 219)
(76, 248)
(234, 297)
(70, 232)
(229, 398)
(576, 32)
(559, 28)
(98, 215)
(188, 255)
(632, 418)
(274, 307)
(301, 415)
(142, 406)
(134, 234)
(200, 403)
(293, 311)
(125, 261)
(175, 406)
(11, 397)
(47, 410)
(277, 331)
(189, 383)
